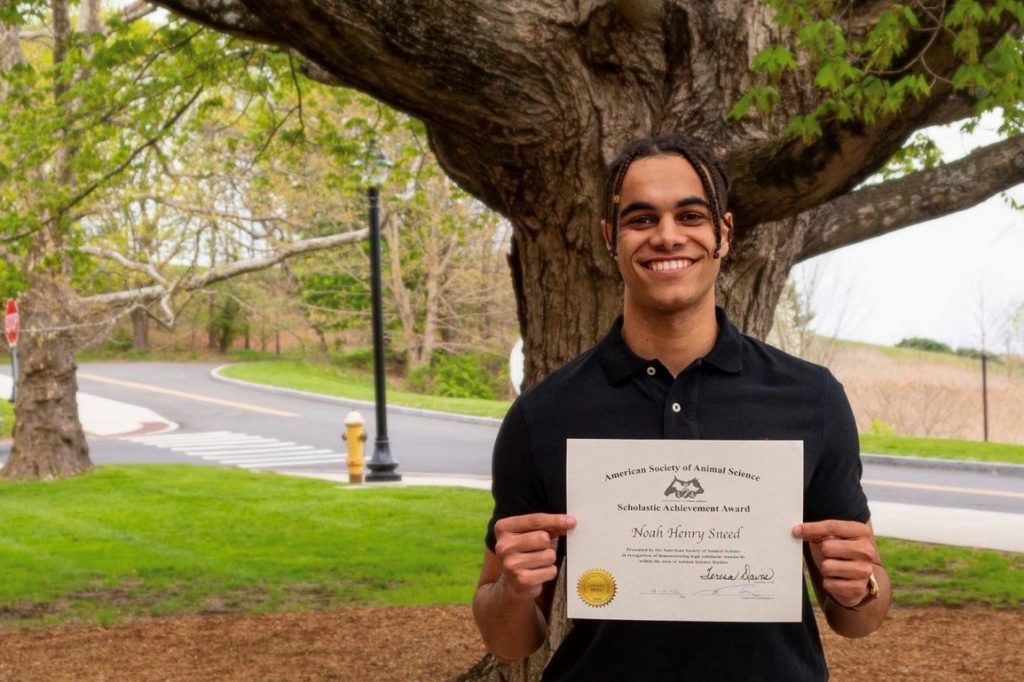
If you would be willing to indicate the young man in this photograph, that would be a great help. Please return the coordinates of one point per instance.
(674, 367)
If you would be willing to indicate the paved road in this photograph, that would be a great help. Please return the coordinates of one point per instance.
(232, 424)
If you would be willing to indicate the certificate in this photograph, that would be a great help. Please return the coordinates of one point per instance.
(693, 530)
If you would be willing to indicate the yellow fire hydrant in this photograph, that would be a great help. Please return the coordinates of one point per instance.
(355, 436)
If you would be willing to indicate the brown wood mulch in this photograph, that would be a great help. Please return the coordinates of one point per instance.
(434, 643)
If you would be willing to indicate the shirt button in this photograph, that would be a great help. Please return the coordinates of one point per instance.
(651, 371)
(676, 407)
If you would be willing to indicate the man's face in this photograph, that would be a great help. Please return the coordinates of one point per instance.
(666, 238)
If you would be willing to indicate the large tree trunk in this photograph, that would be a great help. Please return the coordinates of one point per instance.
(48, 437)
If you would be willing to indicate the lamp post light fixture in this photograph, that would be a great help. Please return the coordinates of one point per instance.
(382, 465)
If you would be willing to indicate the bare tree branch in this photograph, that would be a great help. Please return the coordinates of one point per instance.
(915, 198)
(135, 266)
(164, 290)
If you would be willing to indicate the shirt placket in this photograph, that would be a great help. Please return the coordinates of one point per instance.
(680, 410)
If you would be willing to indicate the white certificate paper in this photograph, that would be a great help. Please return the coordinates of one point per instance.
(692, 530)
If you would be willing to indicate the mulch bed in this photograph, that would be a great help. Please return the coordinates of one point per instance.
(434, 643)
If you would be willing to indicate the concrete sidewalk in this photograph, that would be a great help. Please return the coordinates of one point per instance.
(107, 418)
(943, 525)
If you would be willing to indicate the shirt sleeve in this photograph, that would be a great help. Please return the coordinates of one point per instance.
(515, 483)
(835, 490)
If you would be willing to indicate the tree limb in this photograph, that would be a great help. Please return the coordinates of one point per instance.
(167, 125)
(227, 16)
(163, 291)
(777, 178)
(915, 198)
(135, 266)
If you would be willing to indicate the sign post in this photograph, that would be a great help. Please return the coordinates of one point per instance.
(12, 328)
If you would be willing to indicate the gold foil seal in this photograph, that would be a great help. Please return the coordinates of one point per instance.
(596, 587)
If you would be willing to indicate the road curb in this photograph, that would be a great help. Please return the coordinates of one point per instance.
(996, 468)
(350, 402)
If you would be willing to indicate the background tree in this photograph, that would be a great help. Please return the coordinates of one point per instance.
(100, 196)
(525, 102)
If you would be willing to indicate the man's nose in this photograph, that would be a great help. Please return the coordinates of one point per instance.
(667, 234)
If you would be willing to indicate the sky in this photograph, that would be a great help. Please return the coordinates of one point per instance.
(930, 280)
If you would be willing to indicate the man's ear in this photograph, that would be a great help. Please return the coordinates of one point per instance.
(607, 233)
(726, 234)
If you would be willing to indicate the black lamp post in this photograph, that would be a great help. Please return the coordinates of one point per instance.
(381, 465)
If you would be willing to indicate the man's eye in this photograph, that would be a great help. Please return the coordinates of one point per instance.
(691, 218)
(640, 220)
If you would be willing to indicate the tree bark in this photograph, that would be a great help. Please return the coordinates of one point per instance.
(140, 329)
(48, 438)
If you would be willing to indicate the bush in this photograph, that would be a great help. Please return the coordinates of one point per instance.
(120, 340)
(976, 354)
(467, 375)
(921, 343)
(880, 427)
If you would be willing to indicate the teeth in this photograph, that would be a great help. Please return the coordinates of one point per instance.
(663, 265)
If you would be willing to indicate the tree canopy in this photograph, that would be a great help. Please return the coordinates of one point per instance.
(525, 102)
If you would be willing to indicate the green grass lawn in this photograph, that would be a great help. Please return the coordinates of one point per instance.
(151, 540)
(6, 417)
(347, 383)
(943, 448)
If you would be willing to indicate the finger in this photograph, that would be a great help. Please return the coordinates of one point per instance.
(530, 580)
(816, 531)
(517, 543)
(556, 524)
(846, 570)
(846, 592)
(861, 549)
(530, 560)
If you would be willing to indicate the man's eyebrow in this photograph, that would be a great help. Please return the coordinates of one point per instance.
(646, 206)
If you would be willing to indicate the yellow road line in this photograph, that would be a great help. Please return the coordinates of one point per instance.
(944, 488)
(190, 396)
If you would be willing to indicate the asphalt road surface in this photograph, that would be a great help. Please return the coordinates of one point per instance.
(227, 424)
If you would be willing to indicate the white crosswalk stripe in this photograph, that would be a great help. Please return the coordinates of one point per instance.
(242, 450)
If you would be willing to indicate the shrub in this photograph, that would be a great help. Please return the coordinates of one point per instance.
(461, 376)
(921, 343)
(880, 427)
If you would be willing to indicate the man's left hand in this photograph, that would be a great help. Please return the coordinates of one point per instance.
(845, 554)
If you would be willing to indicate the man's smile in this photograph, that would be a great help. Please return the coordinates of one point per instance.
(669, 265)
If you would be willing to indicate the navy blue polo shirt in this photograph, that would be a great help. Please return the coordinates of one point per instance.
(742, 389)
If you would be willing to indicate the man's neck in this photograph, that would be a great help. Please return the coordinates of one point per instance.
(675, 339)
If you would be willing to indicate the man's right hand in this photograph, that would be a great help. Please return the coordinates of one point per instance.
(526, 549)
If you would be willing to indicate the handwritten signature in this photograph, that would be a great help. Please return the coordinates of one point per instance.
(737, 591)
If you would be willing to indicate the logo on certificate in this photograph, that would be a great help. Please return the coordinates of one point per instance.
(596, 587)
(684, 489)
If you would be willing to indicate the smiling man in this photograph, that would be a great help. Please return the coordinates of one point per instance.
(674, 367)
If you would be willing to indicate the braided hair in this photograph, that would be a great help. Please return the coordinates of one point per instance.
(711, 171)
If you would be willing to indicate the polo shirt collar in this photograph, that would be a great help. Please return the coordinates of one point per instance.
(619, 362)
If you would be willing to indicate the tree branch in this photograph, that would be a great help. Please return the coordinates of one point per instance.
(135, 266)
(167, 125)
(915, 198)
(472, 65)
(777, 178)
(227, 16)
(189, 282)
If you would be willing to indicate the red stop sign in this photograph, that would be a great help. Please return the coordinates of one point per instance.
(11, 323)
